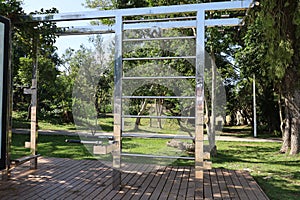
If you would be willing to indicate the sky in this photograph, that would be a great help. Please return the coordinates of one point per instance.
(63, 6)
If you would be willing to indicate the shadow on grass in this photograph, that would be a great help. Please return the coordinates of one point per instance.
(276, 188)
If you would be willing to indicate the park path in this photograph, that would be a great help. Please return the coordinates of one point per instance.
(82, 133)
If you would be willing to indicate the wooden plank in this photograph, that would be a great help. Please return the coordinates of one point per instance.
(154, 183)
(230, 186)
(249, 191)
(184, 183)
(23, 181)
(59, 179)
(145, 184)
(222, 185)
(168, 186)
(138, 182)
(191, 186)
(161, 184)
(214, 184)
(30, 181)
(71, 179)
(128, 183)
(65, 179)
(176, 184)
(257, 189)
(103, 183)
(238, 187)
(84, 179)
(109, 192)
(207, 186)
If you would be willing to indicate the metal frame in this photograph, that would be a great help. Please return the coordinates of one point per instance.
(199, 22)
(6, 98)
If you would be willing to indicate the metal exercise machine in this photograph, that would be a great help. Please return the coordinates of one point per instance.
(150, 18)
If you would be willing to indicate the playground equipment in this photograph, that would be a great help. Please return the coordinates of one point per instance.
(195, 19)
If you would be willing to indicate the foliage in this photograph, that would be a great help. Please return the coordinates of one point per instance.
(270, 50)
(26, 37)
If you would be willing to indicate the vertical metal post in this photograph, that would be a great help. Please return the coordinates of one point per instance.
(6, 94)
(33, 129)
(254, 109)
(212, 136)
(117, 103)
(200, 62)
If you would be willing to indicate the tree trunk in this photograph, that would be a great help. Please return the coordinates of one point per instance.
(295, 136)
(158, 104)
(291, 132)
(286, 132)
(142, 110)
(295, 122)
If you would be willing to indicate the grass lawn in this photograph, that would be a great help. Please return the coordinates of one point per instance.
(278, 174)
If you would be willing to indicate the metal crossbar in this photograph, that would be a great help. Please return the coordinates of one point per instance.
(157, 117)
(159, 58)
(161, 38)
(102, 14)
(155, 77)
(158, 97)
(102, 29)
(162, 136)
(157, 156)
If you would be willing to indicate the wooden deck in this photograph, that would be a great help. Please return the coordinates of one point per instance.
(58, 178)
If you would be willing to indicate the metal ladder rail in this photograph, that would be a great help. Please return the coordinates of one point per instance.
(159, 97)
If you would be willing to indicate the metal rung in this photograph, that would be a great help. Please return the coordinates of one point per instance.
(160, 58)
(156, 77)
(161, 38)
(158, 97)
(160, 19)
(156, 156)
(163, 136)
(162, 25)
(83, 142)
(109, 137)
(157, 117)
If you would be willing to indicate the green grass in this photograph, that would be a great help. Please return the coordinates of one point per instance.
(19, 120)
(246, 131)
(278, 174)
(50, 146)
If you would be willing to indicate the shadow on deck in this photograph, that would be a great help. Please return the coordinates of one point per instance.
(58, 178)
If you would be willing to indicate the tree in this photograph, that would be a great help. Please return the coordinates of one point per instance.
(24, 52)
(282, 34)
(272, 43)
